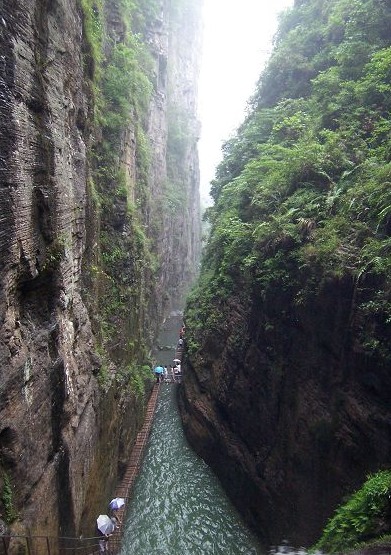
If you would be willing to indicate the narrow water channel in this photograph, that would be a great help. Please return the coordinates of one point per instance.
(178, 506)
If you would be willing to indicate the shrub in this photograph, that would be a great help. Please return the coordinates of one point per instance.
(359, 518)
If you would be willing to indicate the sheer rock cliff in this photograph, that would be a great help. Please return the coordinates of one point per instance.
(287, 409)
(286, 386)
(67, 422)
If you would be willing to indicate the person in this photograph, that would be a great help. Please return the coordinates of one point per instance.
(165, 374)
(180, 342)
(115, 520)
(158, 373)
(177, 372)
(104, 538)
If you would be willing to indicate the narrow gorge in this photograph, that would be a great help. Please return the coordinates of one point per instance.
(286, 369)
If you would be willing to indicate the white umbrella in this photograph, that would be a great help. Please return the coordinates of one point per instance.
(105, 524)
(176, 360)
(116, 503)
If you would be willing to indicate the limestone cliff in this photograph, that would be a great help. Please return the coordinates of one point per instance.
(82, 292)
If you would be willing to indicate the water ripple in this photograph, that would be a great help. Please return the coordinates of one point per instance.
(178, 505)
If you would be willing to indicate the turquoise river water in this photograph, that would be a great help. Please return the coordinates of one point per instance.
(178, 506)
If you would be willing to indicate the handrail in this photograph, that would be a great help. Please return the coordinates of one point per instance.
(50, 545)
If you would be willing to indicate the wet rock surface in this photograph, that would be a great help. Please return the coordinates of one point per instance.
(63, 437)
(49, 396)
(279, 403)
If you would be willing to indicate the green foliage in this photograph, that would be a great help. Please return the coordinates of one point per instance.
(202, 312)
(126, 86)
(178, 136)
(104, 376)
(303, 192)
(137, 378)
(120, 66)
(358, 519)
(142, 13)
(302, 196)
(55, 252)
(93, 28)
(174, 196)
(143, 154)
(303, 206)
(7, 499)
(95, 197)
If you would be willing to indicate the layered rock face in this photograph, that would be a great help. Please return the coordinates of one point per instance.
(65, 437)
(49, 397)
(183, 134)
(287, 409)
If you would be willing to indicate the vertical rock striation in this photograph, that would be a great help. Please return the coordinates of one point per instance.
(183, 134)
(61, 440)
(48, 393)
(175, 173)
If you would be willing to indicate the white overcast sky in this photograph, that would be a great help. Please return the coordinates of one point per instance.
(237, 39)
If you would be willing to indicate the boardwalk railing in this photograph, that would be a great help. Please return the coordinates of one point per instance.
(45, 545)
(136, 457)
(124, 489)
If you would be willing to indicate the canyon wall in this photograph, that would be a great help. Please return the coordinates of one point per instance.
(287, 409)
(286, 381)
(89, 267)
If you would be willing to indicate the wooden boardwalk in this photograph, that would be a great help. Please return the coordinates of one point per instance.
(89, 546)
(124, 489)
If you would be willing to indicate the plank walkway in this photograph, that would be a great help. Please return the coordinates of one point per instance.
(124, 490)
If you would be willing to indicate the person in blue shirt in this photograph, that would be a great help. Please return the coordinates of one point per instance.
(159, 370)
